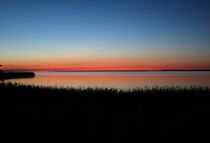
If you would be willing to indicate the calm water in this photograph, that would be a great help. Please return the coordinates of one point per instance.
(123, 80)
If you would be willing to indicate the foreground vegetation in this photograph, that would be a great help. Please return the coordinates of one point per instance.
(104, 115)
(14, 88)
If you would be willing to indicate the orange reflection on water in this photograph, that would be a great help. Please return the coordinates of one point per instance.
(117, 80)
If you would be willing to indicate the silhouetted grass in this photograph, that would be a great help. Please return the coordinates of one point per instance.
(104, 115)
(12, 89)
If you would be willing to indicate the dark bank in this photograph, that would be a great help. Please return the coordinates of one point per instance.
(14, 75)
(104, 115)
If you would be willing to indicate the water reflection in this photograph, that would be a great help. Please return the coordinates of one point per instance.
(119, 80)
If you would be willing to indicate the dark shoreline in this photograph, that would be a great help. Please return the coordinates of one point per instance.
(14, 75)
(104, 115)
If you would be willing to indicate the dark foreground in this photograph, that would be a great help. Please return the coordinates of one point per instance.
(104, 115)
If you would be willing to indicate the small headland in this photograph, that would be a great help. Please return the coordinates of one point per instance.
(14, 75)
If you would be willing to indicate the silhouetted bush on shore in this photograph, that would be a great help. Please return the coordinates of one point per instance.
(104, 115)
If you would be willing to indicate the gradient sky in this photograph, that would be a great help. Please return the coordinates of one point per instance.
(104, 34)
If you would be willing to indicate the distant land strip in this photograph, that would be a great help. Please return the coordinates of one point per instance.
(131, 70)
(164, 70)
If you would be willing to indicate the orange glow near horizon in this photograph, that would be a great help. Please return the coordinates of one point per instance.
(104, 64)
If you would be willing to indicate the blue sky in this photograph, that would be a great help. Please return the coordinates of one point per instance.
(84, 28)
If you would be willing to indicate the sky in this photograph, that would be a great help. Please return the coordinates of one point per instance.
(61, 35)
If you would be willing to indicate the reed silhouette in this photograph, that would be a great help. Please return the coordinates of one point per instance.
(103, 115)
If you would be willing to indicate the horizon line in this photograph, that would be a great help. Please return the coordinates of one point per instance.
(163, 70)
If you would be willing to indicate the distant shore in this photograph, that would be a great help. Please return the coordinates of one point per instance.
(164, 70)
(175, 70)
